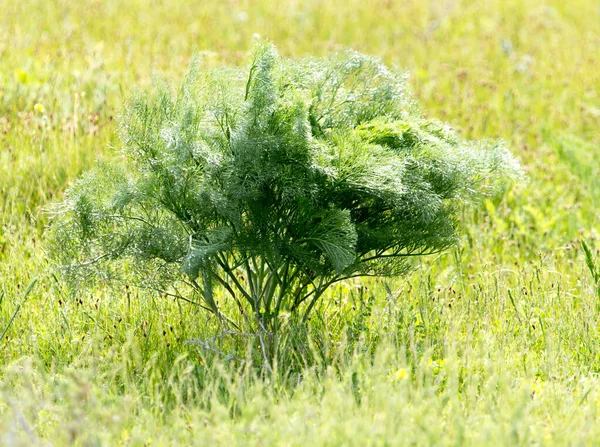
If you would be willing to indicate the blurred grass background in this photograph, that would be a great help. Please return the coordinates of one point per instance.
(495, 342)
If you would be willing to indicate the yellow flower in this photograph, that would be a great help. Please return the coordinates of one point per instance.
(400, 374)
(22, 76)
(39, 108)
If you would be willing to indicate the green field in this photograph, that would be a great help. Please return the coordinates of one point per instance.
(495, 342)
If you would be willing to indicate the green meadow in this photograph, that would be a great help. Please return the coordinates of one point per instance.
(494, 342)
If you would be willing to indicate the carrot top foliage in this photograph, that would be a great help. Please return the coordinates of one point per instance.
(272, 183)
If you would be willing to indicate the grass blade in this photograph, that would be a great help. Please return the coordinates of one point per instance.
(591, 264)
(27, 292)
(589, 260)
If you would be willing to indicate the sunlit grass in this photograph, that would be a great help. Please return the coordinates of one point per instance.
(495, 342)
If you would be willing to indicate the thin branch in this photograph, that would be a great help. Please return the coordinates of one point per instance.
(404, 255)
(233, 278)
(90, 262)
(182, 298)
(232, 293)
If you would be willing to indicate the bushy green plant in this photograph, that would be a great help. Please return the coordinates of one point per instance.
(272, 184)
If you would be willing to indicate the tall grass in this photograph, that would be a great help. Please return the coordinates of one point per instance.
(493, 343)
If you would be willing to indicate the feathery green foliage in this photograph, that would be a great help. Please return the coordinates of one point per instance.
(274, 183)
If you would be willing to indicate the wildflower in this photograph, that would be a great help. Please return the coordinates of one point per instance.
(39, 108)
(400, 374)
(22, 76)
